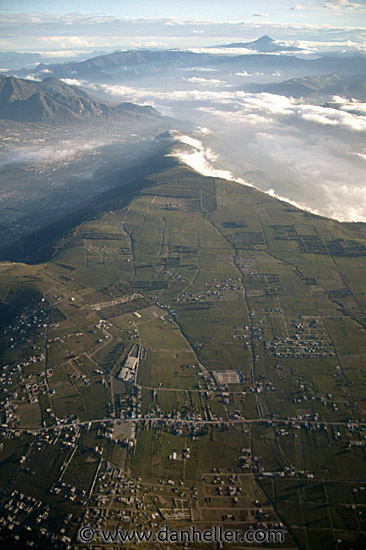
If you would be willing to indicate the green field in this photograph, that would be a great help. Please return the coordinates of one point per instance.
(247, 320)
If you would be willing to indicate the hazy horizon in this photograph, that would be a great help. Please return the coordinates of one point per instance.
(308, 150)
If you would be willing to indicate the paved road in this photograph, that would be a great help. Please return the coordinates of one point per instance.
(285, 421)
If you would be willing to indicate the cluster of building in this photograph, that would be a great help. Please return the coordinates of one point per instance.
(24, 514)
(295, 347)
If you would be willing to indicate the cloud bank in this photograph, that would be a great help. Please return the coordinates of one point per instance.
(202, 159)
(308, 154)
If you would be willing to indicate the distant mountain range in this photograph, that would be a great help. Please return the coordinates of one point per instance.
(18, 60)
(263, 44)
(51, 101)
(353, 86)
(117, 65)
(131, 66)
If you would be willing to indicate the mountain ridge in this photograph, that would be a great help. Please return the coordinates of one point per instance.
(120, 66)
(317, 85)
(55, 102)
(37, 246)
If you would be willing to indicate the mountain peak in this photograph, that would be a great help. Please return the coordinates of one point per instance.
(265, 39)
(55, 102)
(51, 80)
(264, 44)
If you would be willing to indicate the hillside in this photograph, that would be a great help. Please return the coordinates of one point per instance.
(51, 101)
(317, 87)
(204, 325)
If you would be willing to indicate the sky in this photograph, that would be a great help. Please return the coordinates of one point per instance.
(315, 155)
(41, 25)
(229, 10)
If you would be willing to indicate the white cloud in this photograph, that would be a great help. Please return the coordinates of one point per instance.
(61, 53)
(320, 177)
(74, 81)
(245, 73)
(360, 155)
(31, 77)
(201, 159)
(44, 153)
(148, 44)
(349, 105)
(314, 46)
(69, 41)
(199, 69)
(300, 205)
(225, 51)
(156, 44)
(264, 104)
(297, 7)
(346, 203)
(247, 107)
(203, 131)
(141, 94)
(319, 119)
(23, 31)
(260, 14)
(206, 81)
(315, 148)
(338, 5)
(332, 117)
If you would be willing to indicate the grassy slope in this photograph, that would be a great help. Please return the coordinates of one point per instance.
(231, 272)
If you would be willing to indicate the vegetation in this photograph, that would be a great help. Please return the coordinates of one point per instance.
(244, 320)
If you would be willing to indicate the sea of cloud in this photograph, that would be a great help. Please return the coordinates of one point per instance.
(311, 155)
(45, 153)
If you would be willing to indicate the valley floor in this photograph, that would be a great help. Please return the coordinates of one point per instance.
(194, 354)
